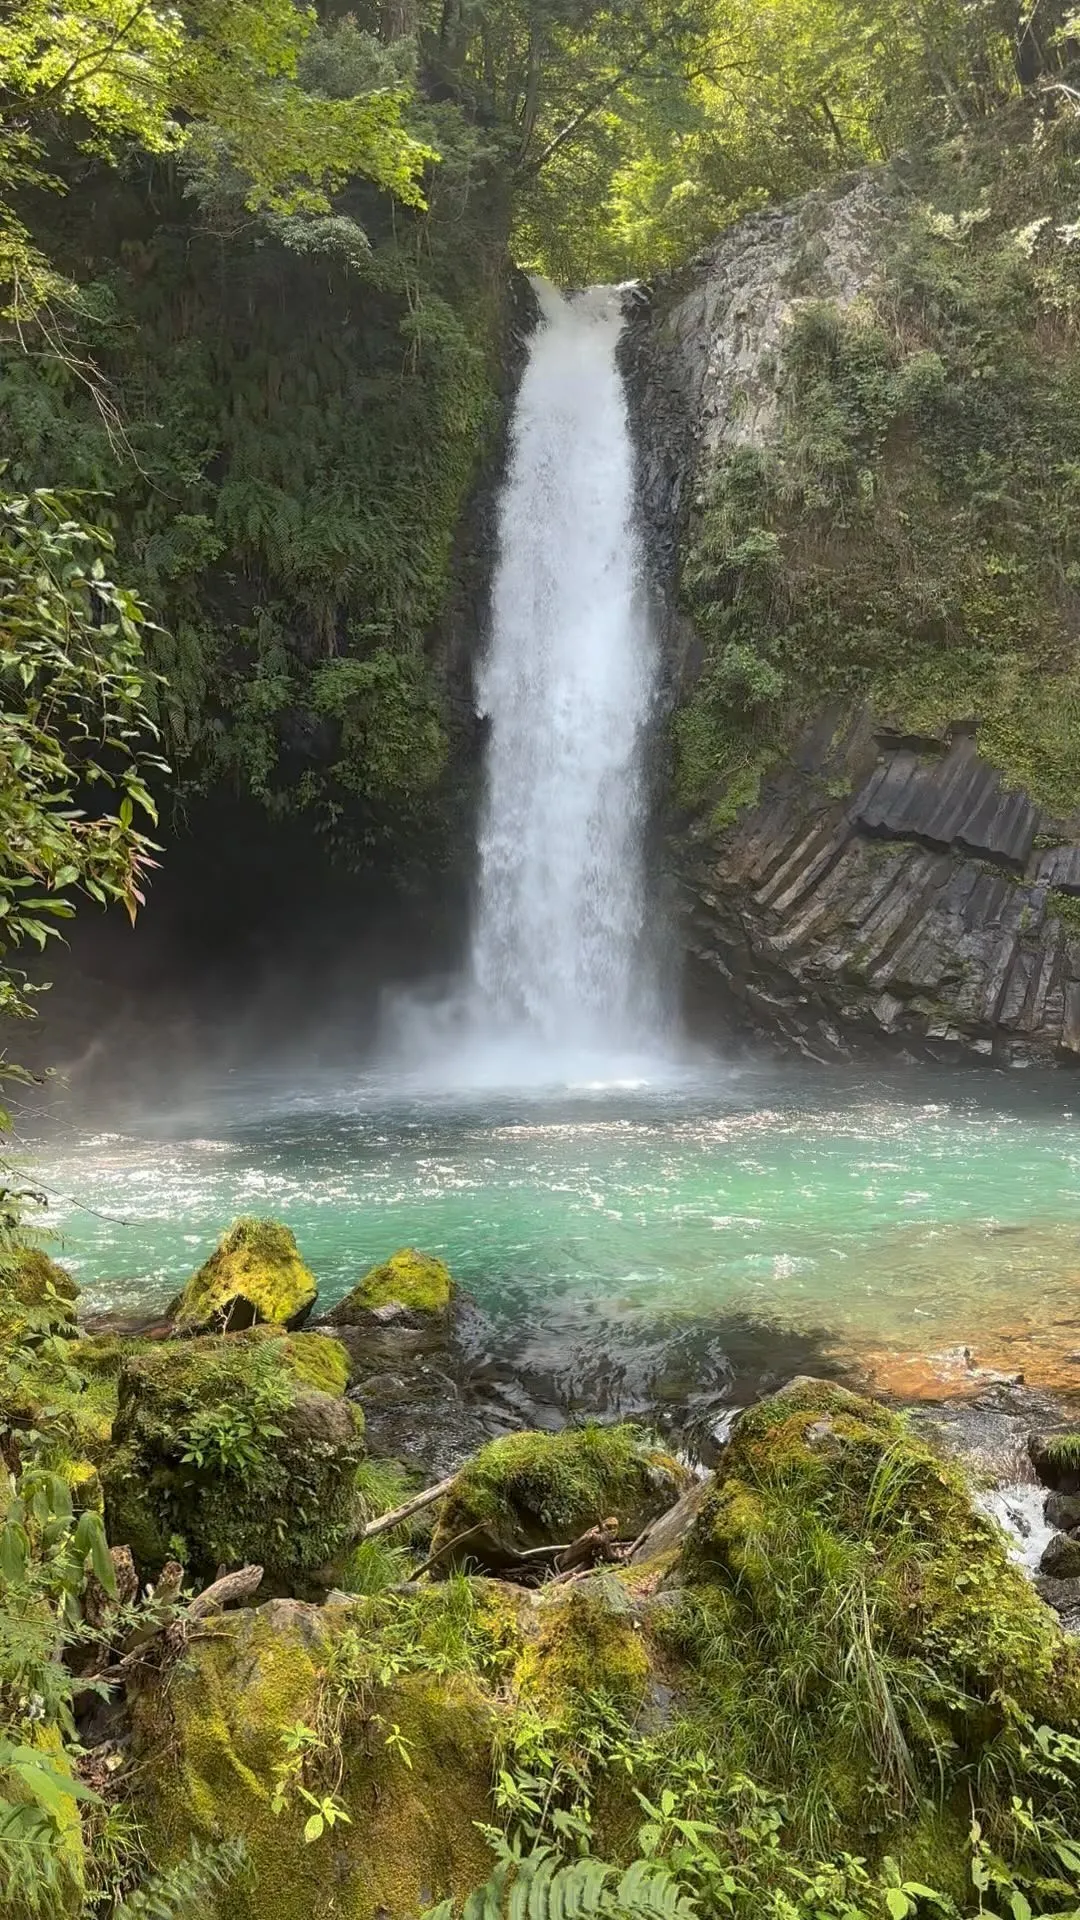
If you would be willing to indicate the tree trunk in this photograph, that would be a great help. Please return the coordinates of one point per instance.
(397, 20)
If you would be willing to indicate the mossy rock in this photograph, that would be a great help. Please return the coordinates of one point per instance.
(254, 1277)
(842, 1638)
(36, 1295)
(412, 1837)
(586, 1642)
(827, 1511)
(538, 1489)
(318, 1361)
(224, 1453)
(409, 1285)
(1056, 1459)
(69, 1396)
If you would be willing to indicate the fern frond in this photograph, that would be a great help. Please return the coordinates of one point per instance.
(181, 1892)
(539, 1886)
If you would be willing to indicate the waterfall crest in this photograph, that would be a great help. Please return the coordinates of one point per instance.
(559, 952)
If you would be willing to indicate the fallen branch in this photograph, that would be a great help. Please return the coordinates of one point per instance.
(173, 1620)
(398, 1515)
(441, 1552)
(231, 1586)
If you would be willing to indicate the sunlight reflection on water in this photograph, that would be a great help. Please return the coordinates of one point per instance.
(910, 1212)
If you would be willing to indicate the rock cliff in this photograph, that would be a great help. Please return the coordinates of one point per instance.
(877, 837)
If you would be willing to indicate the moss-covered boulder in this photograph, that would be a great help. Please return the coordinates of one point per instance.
(407, 1752)
(862, 1638)
(254, 1277)
(539, 1489)
(224, 1451)
(37, 1296)
(835, 1669)
(411, 1286)
(65, 1392)
(584, 1641)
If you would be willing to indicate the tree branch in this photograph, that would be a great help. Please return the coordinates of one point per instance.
(597, 100)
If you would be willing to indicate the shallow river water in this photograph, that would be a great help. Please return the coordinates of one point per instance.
(774, 1217)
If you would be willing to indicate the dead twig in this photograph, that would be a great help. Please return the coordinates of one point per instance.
(398, 1515)
(441, 1552)
(172, 1620)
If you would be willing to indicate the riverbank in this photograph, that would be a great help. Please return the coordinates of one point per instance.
(751, 1656)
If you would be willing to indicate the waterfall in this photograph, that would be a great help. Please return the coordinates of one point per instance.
(559, 953)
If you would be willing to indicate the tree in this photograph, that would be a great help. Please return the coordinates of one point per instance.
(76, 741)
(217, 79)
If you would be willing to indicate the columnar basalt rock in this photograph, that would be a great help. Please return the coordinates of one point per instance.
(890, 893)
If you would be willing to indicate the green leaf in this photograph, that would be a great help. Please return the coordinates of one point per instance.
(313, 1827)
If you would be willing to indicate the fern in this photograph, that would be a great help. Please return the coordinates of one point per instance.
(182, 1892)
(541, 1886)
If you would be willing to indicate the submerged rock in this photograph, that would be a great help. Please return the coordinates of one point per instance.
(538, 1489)
(225, 1452)
(255, 1276)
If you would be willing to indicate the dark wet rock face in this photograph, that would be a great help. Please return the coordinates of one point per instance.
(1063, 1510)
(1055, 1457)
(916, 912)
(1061, 1559)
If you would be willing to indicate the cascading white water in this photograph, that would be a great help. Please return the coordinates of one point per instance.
(559, 956)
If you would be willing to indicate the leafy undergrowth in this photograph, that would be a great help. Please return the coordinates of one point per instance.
(911, 537)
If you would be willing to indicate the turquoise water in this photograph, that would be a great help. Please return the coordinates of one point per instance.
(901, 1216)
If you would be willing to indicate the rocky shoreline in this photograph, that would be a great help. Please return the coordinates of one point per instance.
(354, 1620)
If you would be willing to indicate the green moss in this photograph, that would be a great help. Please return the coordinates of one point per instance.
(861, 1625)
(84, 1480)
(69, 1397)
(416, 1281)
(254, 1276)
(908, 538)
(530, 1489)
(1064, 907)
(742, 789)
(319, 1361)
(412, 1835)
(842, 1662)
(219, 1444)
(35, 1293)
(587, 1643)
